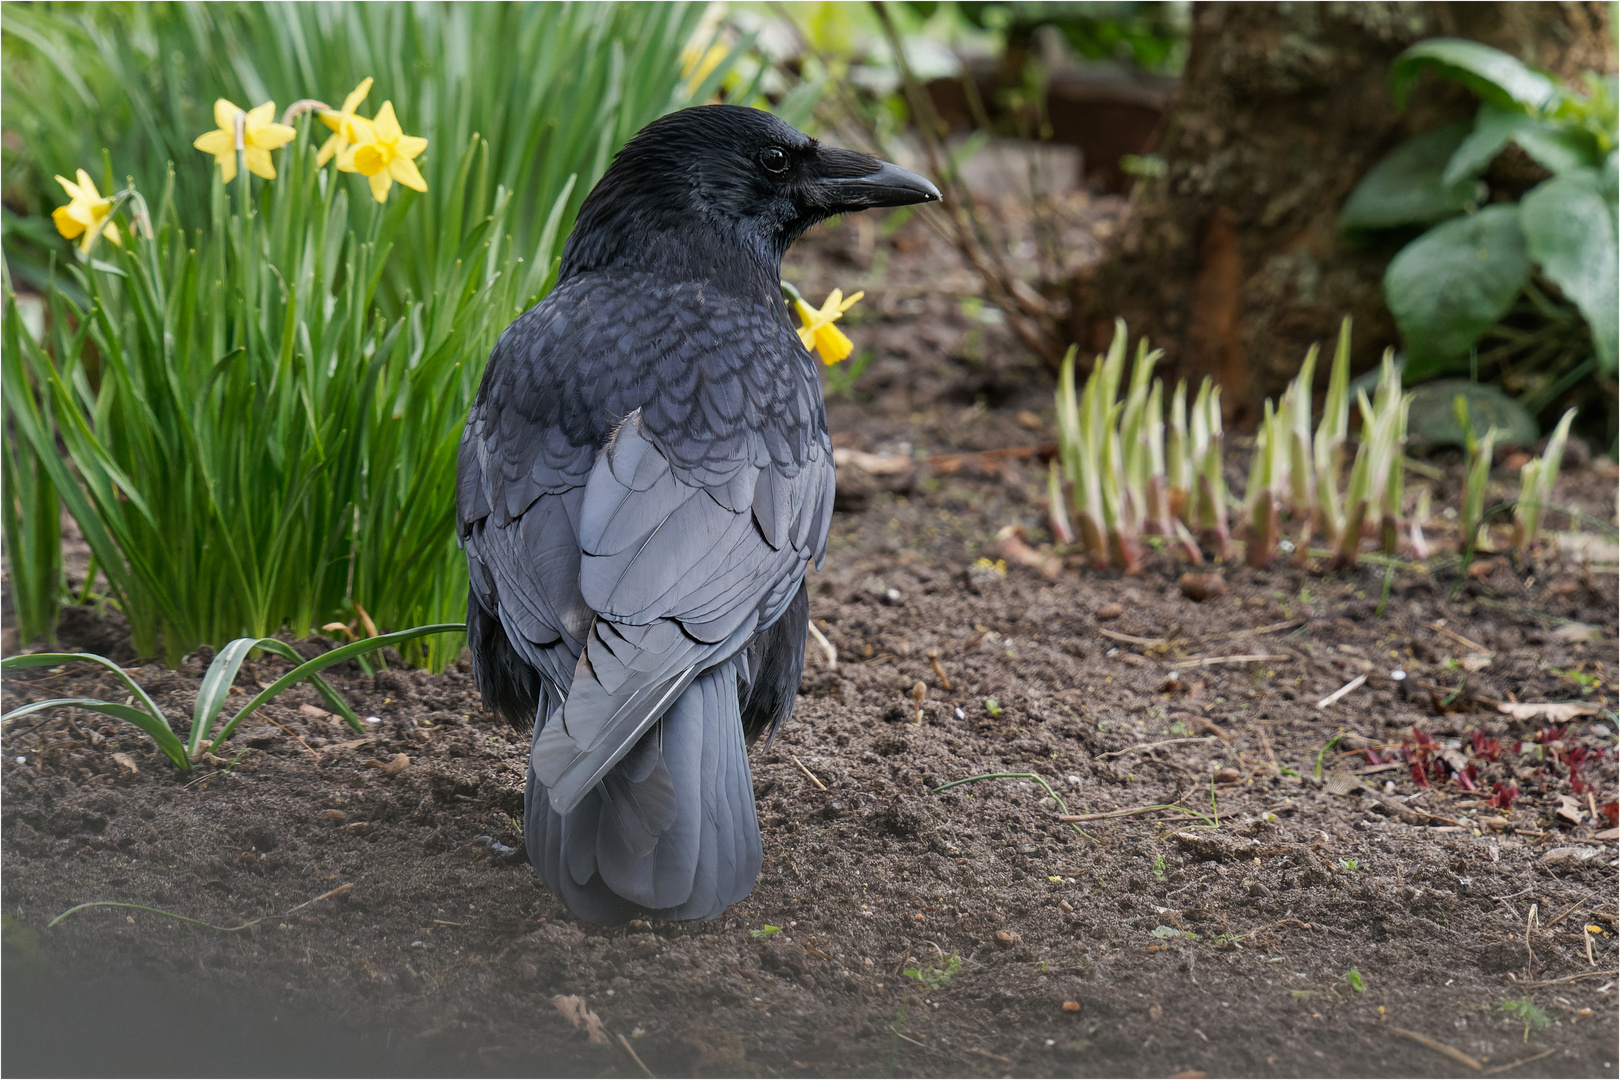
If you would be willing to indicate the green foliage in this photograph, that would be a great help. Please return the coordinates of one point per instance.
(1352, 979)
(766, 931)
(1454, 282)
(1472, 278)
(1526, 1012)
(935, 978)
(260, 394)
(553, 89)
(1410, 186)
(214, 690)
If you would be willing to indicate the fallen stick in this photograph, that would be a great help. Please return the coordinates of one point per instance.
(1128, 813)
(1529, 985)
(1246, 658)
(1151, 746)
(624, 1042)
(828, 653)
(1132, 639)
(1516, 1064)
(808, 773)
(1347, 688)
(1441, 1048)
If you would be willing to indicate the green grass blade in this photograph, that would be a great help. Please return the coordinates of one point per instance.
(153, 725)
(336, 656)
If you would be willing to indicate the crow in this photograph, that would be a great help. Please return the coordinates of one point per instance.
(644, 477)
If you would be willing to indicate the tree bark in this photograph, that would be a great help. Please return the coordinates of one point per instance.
(1232, 261)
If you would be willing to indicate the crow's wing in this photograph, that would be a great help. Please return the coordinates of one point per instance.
(683, 563)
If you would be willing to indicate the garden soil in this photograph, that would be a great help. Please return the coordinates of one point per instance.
(1302, 889)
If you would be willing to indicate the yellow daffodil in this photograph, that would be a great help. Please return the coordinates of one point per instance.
(816, 328)
(88, 213)
(260, 134)
(697, 63)
(384, 153)
(341, 122)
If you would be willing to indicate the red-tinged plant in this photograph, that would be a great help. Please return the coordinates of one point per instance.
(1577, 757)
(1611, 812)
(1502, 795)
(1486, 748)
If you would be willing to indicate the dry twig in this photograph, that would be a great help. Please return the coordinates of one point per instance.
(1441, 1048)
(808, 773)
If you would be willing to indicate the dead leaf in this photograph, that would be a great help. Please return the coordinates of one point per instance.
(126, 763)
(1558, 712)
(1571, 854)
(1576, 631)
(350, 745)
(1015, 550)
(393, 766)
(1007, 938)
(572, 1006)
(1341, 780)
(1476, 662)
(1569, 809)
(314, 713)
(1608, 834)
(333, 817)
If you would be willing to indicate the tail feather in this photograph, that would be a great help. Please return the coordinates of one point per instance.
(671, 831)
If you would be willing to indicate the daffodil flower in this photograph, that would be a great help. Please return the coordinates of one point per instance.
(341, 121)
(385, 152)
(88, 213)
(255, 133)
(696, 64)
(816, 328)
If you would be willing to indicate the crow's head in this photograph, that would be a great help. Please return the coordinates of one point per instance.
(721, 187)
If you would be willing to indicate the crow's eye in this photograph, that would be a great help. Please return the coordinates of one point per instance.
(774, 159)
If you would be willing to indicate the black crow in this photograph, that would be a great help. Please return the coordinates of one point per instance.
(644, 478)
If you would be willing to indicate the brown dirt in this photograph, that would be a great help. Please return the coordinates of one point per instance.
(1180, 946)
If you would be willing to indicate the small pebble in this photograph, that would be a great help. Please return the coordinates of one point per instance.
(1065, 905)
(1201, 587)
(1007, 938)
(1228, 776)
(1071, 1006)
(1110, 611)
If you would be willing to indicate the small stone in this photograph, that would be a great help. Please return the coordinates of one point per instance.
(333, 817)
(1071, 1006)
(1155, 1012)
(126, 763)
(1007, 938)
(314, 713)
(1065, 905)
(1228, 776)
(1110, 611)
(1201, 587)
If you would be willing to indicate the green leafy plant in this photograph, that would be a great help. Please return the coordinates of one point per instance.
(213, 690)
(1536, 479)
(1352, 979)
(766, 931)
(936, 978)
(261, 392)
(1526, 1012)
(1479, 263)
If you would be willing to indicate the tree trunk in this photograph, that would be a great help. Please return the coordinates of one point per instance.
(1232, 261)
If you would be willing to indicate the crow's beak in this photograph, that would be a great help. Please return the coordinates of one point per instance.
(889, 186)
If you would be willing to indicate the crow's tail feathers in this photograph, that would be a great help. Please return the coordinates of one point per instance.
(671, 831)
